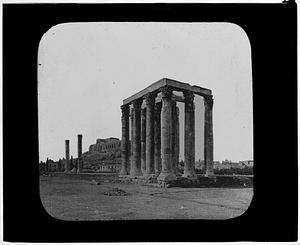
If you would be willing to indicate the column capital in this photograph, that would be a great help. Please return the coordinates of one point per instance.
(166, 92)
(208, 100)
(188, 96)
(137, 103)
(158, 106)
(150, 98)
(125, 110)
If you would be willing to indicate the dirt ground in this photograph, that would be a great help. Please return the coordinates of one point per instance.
(70, 198)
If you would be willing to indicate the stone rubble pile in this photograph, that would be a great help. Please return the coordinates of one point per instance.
(116, 192)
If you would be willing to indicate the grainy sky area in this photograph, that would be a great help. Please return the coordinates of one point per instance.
(86, 70)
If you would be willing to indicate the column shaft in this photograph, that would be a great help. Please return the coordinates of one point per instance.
(125, 140)
(67, 166)
(208, 136)
(157, 138)
(176, 137)
(136, 145)
(131, 138)
(143, 141)
(189, 136)
(166, 131)
(150, 100)
(79, 162)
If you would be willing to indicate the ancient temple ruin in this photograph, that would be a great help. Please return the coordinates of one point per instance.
(154, 146)
(77, 163)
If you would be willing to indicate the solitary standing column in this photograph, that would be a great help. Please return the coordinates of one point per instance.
(79, 151)
(125, 140)
(157, 139)
(143, 141)
(136, 140)
(67, 166)
(150, 102)
(189, 136)
(208, 136)
(166, 131)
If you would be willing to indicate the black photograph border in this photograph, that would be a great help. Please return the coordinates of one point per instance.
(273, 213)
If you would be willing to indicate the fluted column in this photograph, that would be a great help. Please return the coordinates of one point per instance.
(67, 166)
(189, 136)
(131, 137)
(136, 141)
(125, 140)
(157, 138)
(175, 131)
(166, 131)
(79, 163)
(176, 143)
(208, 136)
(143, 141)
(150, 102)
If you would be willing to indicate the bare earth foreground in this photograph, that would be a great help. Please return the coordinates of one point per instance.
(70, 198)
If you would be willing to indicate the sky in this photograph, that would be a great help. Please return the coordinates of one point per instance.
(85, 70)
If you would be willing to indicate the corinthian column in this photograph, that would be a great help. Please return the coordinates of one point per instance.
(79, 151)
(189, 136)
(176, 144)
(150, 100)
(175, 136)
(67, 166)
(136, 140)
(143, 141)
(166, 131)
(131, 137)
(208, 136)
(157, 138)
(125, 140)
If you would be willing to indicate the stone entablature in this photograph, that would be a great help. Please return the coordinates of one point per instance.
(178, 86)
(152, 114)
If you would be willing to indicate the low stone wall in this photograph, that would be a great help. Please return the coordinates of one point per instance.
(217, 181)
(200, 182)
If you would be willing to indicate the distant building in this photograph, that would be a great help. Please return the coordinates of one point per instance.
(105, 145)
(223, 165)
(103, 156)
(247, 163)
(109, 167)
(236, 165)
